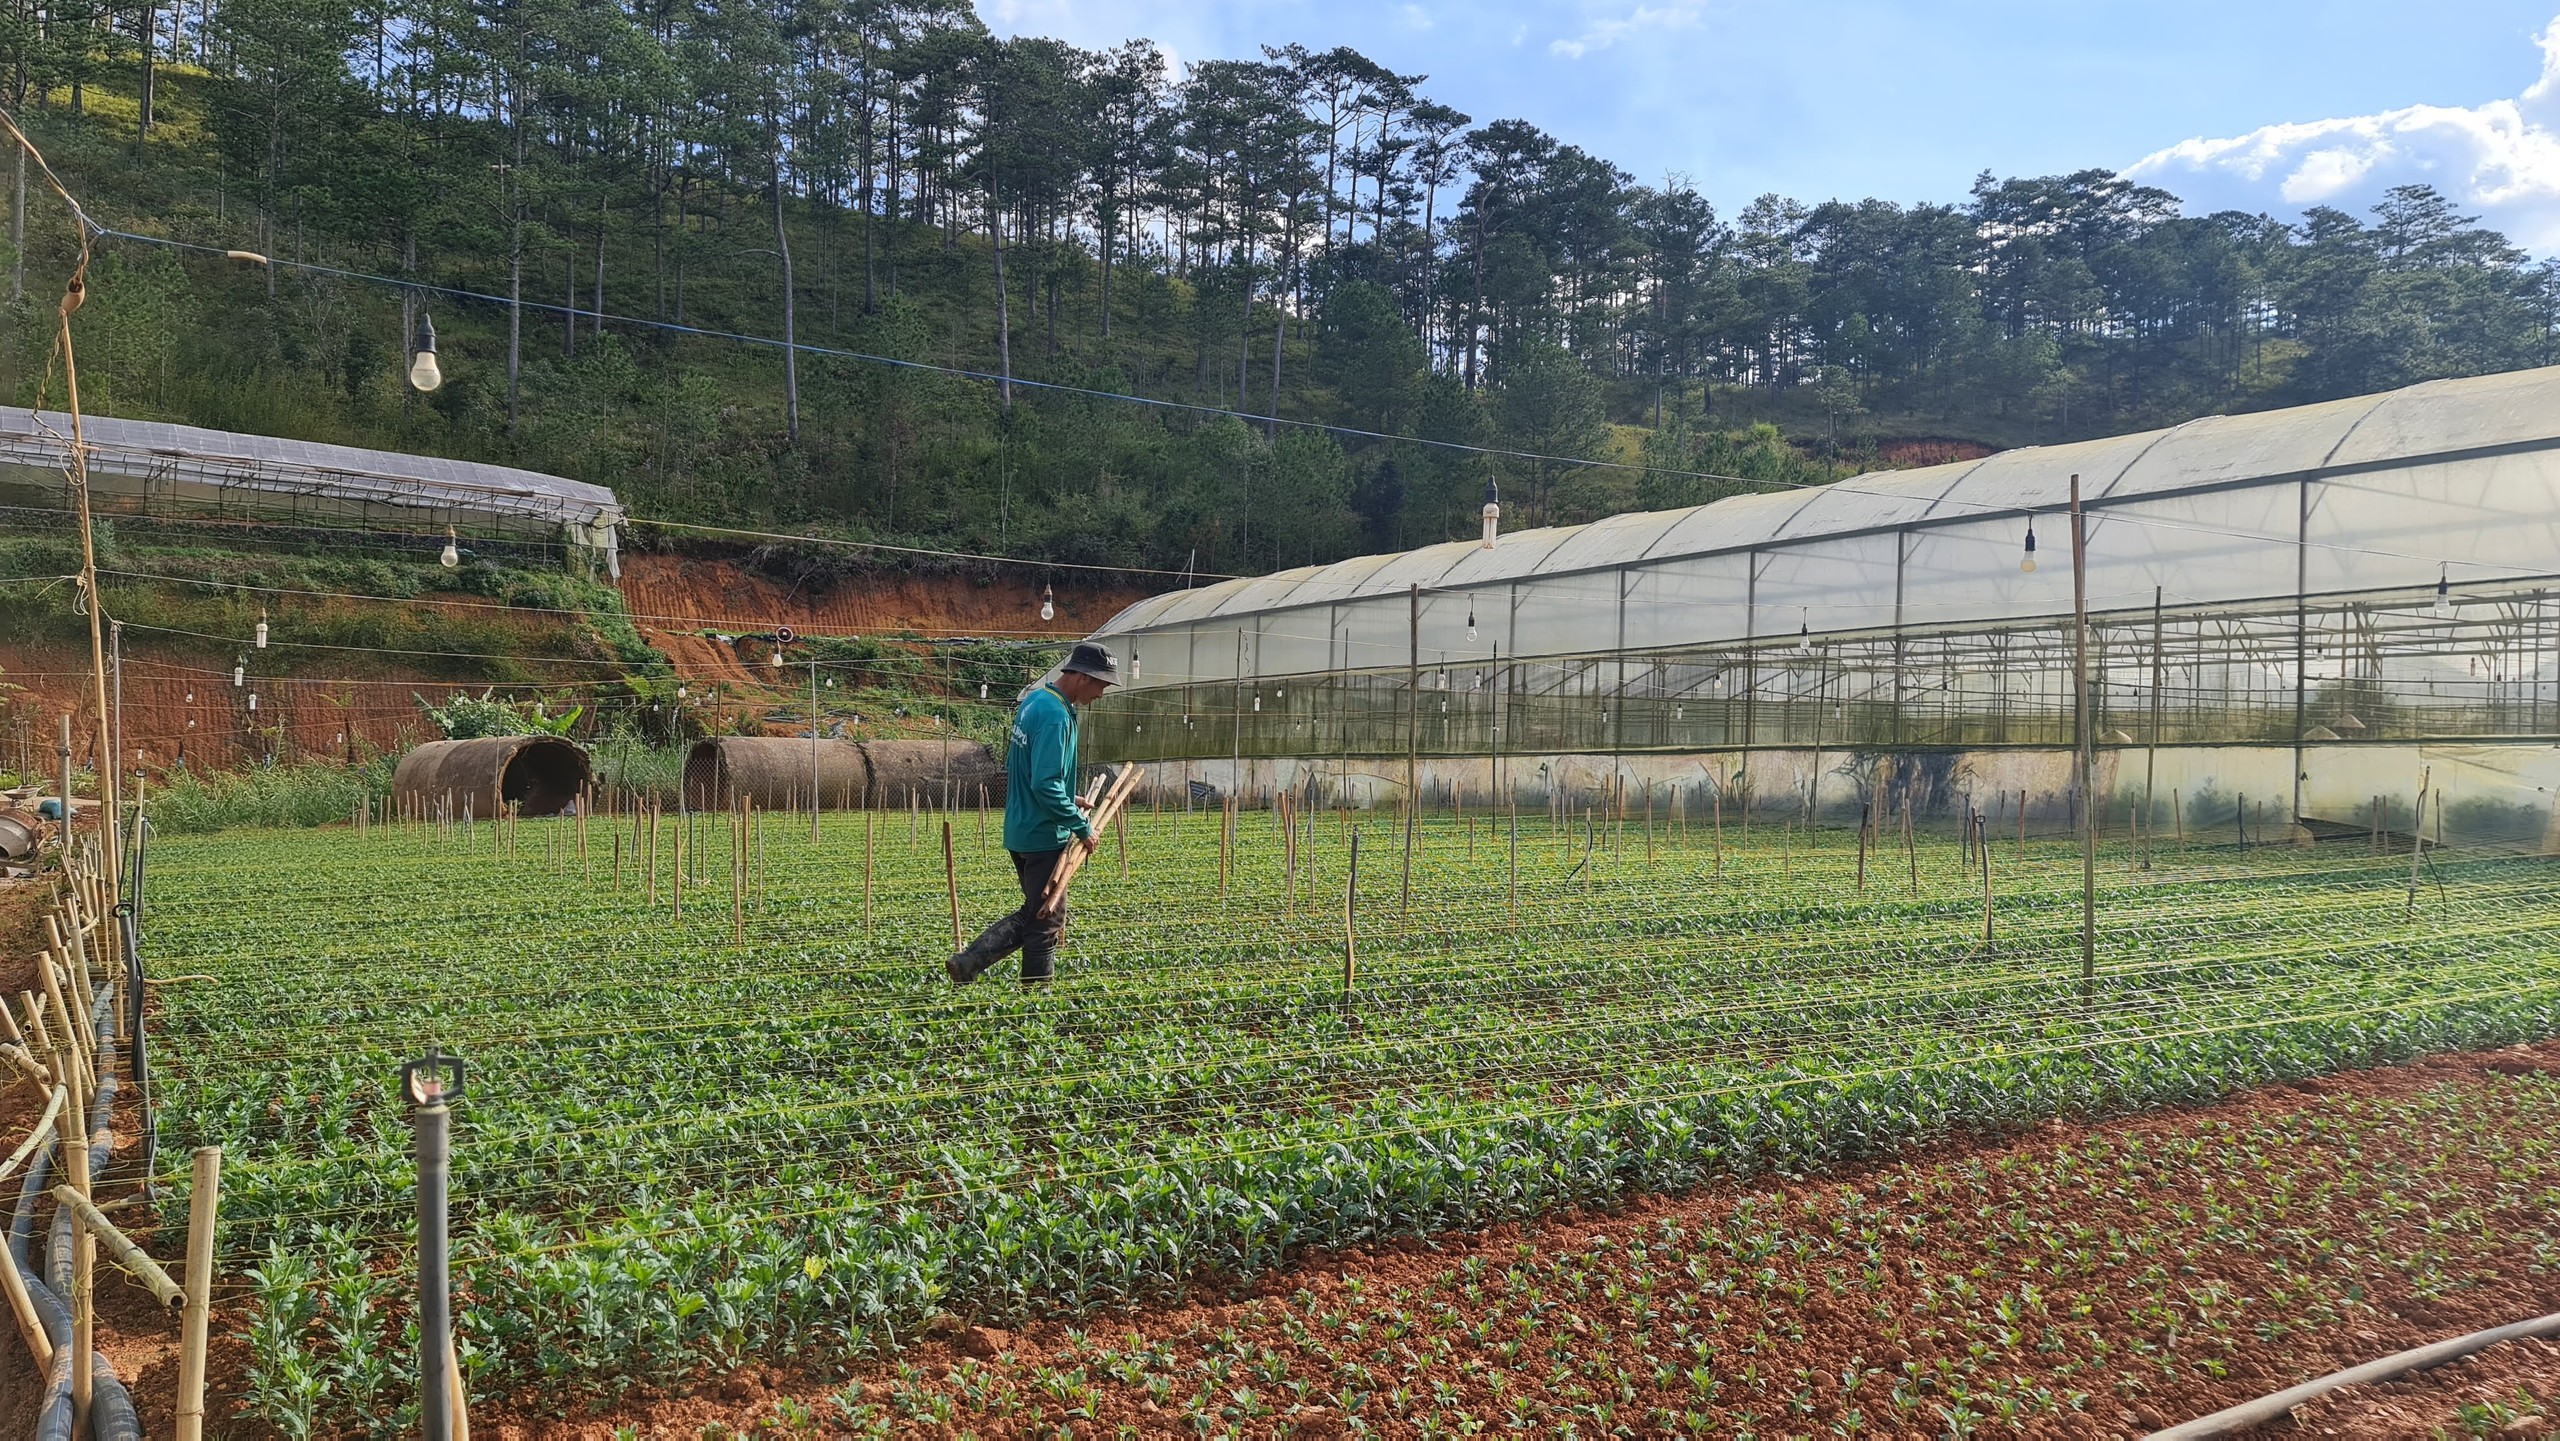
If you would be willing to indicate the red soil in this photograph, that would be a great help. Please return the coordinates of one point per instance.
(2090, 1280)
(671, 592)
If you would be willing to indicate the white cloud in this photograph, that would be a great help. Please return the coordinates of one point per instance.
(1416, 18)
(2500, 160)
(1679, 15)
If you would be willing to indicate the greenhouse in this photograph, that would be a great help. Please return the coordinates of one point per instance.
(151, 468)
(2373, 570)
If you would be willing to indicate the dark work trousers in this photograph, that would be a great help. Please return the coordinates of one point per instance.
(1040, 935)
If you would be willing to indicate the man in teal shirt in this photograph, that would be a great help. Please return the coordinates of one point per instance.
(1043, 816)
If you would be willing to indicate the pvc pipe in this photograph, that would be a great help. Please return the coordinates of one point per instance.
(2268, 1409)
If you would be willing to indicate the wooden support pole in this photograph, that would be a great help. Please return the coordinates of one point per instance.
(870, 830)
(951, 883)
(1986, 884)
(120, 1248)
(1866, 813)
(203, 1205)
(1351, 924)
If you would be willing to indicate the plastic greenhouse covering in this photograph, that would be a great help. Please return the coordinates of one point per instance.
(149, 465)
(2377, 567)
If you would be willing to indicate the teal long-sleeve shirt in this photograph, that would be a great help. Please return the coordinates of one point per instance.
(1040, 775)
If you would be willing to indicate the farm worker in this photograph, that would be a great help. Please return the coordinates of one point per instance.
(1043, 815)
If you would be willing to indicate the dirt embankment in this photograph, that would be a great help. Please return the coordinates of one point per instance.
(181, 708)
(676, 593)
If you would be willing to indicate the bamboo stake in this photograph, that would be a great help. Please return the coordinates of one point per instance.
(870, 829)
(1911, 845)
(1648, 825)
(617, 862)
(1986, 888)
(653, 855)
(1350, 924)
(38, 1344)
(2418, 839)
(678, 889)
(1515, 863)
(132, 1258)
(951, 883)
(1719, 804)
(1865, 814)
(2178, 817)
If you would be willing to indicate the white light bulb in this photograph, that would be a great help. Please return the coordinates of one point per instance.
(1137, 668)
(1048, 610)
(262, 635)
(191, 697)
(775, 660)
(424, 373)
(452, 556)
(982, 690)
(253, 700)
(2027, 566)
(239, 676)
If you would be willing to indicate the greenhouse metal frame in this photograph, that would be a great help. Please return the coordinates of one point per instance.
(2376, 569)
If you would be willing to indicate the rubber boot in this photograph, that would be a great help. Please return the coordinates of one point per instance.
(992, 945)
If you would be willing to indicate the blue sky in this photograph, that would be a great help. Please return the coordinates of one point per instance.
(2258, 104)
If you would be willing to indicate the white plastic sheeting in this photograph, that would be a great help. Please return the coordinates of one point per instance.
(2380, 494)
(188, 466)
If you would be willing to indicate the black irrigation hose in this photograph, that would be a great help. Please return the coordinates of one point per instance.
(2269, 1409)
(111, 1413)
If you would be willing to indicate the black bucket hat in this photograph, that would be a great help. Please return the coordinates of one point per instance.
(1089, 658)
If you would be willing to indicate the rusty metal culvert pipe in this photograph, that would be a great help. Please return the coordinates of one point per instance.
(776, 772)
(540, 775)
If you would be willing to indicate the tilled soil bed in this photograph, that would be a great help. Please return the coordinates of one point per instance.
(2083, 1280)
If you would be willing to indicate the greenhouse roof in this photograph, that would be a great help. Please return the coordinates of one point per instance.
(2452, 478)
(146, 456)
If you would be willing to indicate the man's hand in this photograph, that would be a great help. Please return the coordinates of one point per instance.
(1082, 804)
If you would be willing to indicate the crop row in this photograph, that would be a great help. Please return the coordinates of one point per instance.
(680, 1149)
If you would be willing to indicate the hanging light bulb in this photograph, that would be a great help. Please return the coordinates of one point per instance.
(1471, 617)
(2027, 564)
(1492, 513)
(775, 659)
(262, 630)
(341, 740)
(1257, 702)
(253, 700)
(191, 722)
(424, 373)
(1048, 602)
(239, 676)
(191, 697)
(452, 552)
(679, 692)
(1804, 633)
(2444, 593)
(1137, 666)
